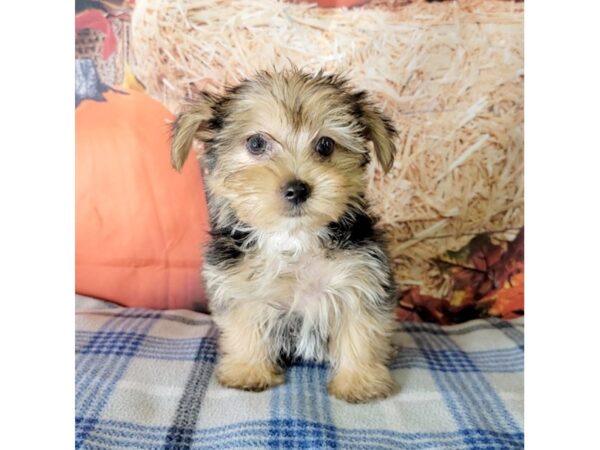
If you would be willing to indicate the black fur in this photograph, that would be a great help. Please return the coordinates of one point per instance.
(366, 160)
(216, 122)
(286, 334)
(225, 248)
(359, 103)
(219, 113)
(389, 127)
(209, 159)
(356, 231)
(356, 101)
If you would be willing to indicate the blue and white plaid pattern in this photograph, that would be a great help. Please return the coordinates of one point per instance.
(144, 380)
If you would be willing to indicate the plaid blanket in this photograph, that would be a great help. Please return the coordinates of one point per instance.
(144, 380)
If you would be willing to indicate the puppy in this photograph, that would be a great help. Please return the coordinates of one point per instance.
(295, 268)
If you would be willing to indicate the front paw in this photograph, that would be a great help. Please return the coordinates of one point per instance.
(361, 386)
(247, 376)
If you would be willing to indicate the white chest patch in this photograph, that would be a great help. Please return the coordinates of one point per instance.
(299, 265)
(313, 277)
(299, 261)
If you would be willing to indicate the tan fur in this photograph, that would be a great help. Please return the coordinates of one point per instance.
(190, 125)
(245, 362)
(360, 347)
(287, 286)
(384, 147)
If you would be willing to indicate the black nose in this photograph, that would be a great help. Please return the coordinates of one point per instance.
(296, 192)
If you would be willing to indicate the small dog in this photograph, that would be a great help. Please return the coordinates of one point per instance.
(295, 268)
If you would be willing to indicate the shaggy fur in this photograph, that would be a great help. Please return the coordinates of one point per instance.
(308, 280)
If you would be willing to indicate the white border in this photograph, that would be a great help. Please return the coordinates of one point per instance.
(562, 174)
(37, 201)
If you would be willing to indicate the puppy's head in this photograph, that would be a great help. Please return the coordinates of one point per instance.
(285, 149)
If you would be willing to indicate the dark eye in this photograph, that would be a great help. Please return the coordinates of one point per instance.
(324, 146)
(256, 144)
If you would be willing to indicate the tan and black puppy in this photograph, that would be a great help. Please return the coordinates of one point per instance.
(295, 268)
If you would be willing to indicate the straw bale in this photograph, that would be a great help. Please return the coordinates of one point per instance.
(449, 74)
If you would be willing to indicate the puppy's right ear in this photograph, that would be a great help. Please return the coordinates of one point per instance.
(191, 122)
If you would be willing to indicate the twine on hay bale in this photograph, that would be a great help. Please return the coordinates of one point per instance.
(449, 74)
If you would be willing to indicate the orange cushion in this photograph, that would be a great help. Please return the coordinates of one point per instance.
(140, 225)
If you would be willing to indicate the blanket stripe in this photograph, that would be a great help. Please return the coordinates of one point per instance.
(193, 393)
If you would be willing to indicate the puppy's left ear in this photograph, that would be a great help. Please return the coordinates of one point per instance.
(381, 132)
(192, 122)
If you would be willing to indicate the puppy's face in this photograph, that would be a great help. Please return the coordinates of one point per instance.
(286, 149)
